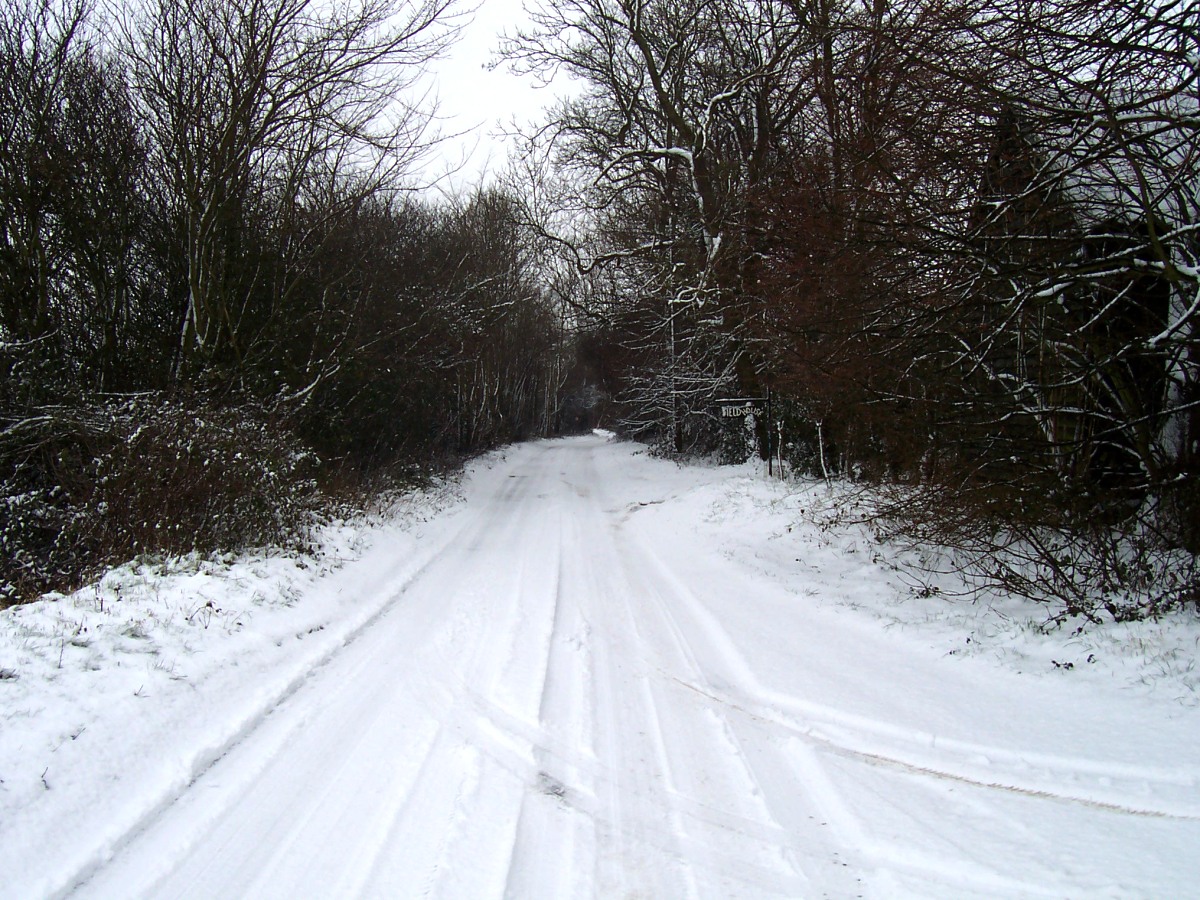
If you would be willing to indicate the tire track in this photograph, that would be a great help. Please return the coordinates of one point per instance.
(802, 766)
(637, 855)
(550, 836)
(250, 724)
(812, 857)
(851, 736)
(437, 636)
(830, 837)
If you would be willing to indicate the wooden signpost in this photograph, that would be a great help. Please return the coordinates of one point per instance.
(739, 407)
(736, 407)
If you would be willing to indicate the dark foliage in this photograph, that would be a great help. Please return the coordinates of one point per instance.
(956, 239)
(144, 476)
(217, 313)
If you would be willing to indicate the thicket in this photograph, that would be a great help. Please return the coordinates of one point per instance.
(220, 303)
(958, 240)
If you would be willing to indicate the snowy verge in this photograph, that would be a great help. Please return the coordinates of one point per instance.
(792, 532)
(115, 697)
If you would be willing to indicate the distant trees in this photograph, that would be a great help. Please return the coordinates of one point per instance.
(268, 116)
(217, 293)
(957, 237)
(454, 347)
(680, 117)
(76, 245)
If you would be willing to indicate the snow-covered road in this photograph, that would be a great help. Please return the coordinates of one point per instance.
(578, 693)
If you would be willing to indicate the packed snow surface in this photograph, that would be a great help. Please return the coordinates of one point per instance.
(593, 674)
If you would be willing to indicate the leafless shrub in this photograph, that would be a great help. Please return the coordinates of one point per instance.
(1121, 571)
(94, 486)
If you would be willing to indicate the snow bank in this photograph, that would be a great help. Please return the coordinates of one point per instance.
(115, 697)
(792, 532)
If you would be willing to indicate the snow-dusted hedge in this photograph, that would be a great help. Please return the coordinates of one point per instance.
(142, 476)
(1121, 570)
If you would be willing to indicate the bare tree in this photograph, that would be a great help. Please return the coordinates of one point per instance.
(1086, 243)
(682, 115)
(271, 102)
(39, 41)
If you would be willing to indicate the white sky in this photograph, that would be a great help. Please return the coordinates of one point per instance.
(479, 103)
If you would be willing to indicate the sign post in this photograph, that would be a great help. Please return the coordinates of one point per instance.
(737, 407)
(740, 407)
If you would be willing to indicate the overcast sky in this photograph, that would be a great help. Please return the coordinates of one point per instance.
(481, 102)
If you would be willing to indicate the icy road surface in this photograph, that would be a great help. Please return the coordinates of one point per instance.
(579, 694)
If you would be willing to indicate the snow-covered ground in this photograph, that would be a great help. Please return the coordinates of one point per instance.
(593, 674)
